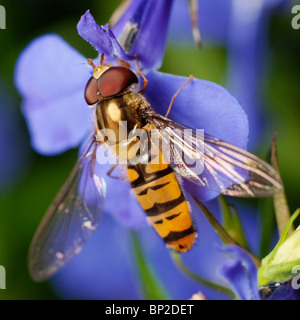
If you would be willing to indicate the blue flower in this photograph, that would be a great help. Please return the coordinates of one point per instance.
(151, 19)
(51, 76)
(241, 273)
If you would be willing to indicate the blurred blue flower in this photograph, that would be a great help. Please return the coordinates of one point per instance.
(248, 46)
(241, 273)
(51, 77)
(242, 26)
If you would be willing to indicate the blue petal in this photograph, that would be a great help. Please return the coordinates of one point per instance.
(51, 76)
(200, 105)
(241, 272)
(285, 291)
(152, 30)
(101, 38)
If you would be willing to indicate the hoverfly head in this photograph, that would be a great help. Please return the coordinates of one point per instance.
(108, 82)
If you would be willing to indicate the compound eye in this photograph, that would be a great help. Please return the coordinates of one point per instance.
(90, 93)
(115, 80)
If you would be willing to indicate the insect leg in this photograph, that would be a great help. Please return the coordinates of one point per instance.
(194, 9)
(176, 93)
(93, 161)
(109, 173)
(91, 63)
(124, 64)
(141, 74)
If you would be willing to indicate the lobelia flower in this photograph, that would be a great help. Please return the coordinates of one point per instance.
(244, 278)
(241, 273)
(51, 77)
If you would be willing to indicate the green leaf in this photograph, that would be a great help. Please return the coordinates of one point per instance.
(278, 273)
(282, 211)
(232, 223)
(215, 286)
(221, 232)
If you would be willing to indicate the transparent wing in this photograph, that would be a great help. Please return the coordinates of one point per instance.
(213, 163)
(70, 220)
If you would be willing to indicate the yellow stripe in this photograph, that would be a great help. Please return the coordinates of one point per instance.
(179, 216)
(169, 192)
(181, 222)
(132, 175)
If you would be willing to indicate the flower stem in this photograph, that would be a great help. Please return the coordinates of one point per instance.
(221, 232)
(177, 259)
(151, 285)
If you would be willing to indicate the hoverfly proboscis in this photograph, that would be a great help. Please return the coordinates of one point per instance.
(76, 210)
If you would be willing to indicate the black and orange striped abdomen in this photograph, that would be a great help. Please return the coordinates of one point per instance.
(160, 195)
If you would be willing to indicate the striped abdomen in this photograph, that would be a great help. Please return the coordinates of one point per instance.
(160, 195)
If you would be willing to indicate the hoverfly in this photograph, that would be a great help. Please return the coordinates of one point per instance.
(76, 210)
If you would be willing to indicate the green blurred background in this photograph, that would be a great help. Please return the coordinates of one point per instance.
(24, 200)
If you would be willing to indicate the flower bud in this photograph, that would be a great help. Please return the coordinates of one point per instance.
(279, 265)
